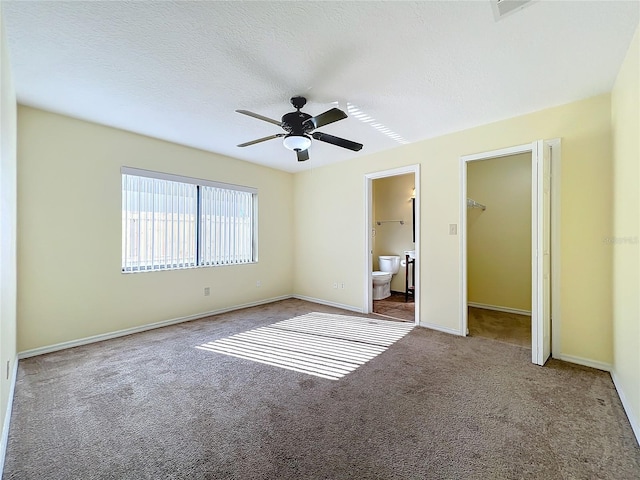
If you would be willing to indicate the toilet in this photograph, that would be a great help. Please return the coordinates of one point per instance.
(389, 266)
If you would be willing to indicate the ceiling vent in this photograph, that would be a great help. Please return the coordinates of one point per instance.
(502, 8)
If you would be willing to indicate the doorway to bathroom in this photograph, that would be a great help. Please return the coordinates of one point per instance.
(392, 244)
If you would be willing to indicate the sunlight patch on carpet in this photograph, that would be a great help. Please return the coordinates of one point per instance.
(322, 344)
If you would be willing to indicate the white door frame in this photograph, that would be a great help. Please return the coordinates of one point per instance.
(555, 145)
(368, 188)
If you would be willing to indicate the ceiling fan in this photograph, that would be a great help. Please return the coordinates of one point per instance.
(300, 125)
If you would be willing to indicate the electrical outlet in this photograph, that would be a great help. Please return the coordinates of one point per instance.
(453, 229)
(335, 284)
(341, 284)
(258, 284)
(207, 291)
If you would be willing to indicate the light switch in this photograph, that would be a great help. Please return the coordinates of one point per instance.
(453, 229)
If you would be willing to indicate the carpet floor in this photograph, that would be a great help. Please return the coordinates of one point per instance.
(429, 406)
(503, 327)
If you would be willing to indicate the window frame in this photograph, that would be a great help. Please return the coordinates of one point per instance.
(198, 182)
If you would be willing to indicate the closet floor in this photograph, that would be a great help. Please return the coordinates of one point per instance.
(503, 327)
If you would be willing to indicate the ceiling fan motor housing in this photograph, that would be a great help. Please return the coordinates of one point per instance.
(293, 123)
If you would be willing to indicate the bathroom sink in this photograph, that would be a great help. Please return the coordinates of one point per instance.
(411, 253)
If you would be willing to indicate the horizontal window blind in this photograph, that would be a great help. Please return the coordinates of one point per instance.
(173, 222)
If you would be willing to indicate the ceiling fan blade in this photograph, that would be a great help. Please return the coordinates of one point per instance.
(260, 117)
(326, 118)
(303, 155)
(263, 139)
(340, 142)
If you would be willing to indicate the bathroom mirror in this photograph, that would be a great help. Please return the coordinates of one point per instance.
(413, 219)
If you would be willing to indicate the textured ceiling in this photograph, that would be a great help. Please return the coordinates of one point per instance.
(178, 70)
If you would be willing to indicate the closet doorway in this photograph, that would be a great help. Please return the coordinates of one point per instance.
(509, 219)
(392, 236)
(499, 249)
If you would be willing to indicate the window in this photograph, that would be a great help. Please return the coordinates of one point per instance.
(172, 222)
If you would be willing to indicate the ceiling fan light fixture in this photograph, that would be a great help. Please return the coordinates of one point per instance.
(297, 142)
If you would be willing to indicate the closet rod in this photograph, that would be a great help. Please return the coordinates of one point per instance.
(473, 204)
(380, 222)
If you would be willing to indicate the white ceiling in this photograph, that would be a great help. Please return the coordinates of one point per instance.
(178, 70)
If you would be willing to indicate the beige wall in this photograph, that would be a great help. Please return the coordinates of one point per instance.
(7, 228)
(499, 238)
(69, 230)
(623, 243)
(392, 201)
(330, 221)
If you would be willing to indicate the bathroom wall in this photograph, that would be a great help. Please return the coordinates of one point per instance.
(499, 238)
(391, 201)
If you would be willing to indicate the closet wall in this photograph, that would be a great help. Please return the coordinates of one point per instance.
(499, 238)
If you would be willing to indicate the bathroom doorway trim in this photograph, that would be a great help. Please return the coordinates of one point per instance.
(368, 234)
(540, 347)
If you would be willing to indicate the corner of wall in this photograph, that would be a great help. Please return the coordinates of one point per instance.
(4, 439)
(626, 405)
(8, 256)
(624, 240)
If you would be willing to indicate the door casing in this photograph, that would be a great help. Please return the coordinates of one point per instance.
(553, 224)
(368, 188)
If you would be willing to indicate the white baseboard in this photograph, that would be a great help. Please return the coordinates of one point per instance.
(142, 328)
(584, 361)
(633, 420)
(498, 308)
(4, 440)
(328, 303)
(432, 326)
